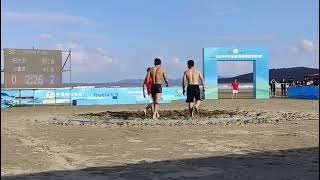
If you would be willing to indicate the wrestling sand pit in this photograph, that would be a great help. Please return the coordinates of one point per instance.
(240, 139)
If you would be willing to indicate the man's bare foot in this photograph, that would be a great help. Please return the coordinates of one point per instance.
(145, 112)
(158, 115)
(192, 111)
(195, 109)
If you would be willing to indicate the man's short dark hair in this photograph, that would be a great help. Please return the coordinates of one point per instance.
(148, 69)
(157, 61)
(191, 63)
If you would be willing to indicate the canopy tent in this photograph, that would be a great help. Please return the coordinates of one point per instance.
(314, 75)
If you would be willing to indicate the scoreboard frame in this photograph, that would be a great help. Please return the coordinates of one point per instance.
(33, 68)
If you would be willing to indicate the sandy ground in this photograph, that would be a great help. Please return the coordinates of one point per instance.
(228, 139)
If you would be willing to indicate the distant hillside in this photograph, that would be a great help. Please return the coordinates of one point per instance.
(297, 73)
(140, 81)
(278, 74)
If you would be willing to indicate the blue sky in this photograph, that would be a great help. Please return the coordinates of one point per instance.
(118, 39)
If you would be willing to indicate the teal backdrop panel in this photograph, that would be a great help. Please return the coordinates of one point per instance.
(259, 57)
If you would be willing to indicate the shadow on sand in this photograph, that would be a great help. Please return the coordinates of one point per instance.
(293, 164)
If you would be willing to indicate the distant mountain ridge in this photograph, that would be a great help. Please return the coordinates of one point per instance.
(297, 73)
(140, 81)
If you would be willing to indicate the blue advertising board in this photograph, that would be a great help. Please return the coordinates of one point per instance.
(89, 96)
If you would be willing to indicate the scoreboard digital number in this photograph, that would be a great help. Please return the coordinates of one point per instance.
(32, 68)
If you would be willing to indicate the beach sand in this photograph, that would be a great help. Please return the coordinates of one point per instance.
(228, 139)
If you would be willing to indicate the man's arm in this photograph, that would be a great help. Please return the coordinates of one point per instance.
(143, 86)
(184, 80)
(145, 83)
(165, 78)
(202, 81)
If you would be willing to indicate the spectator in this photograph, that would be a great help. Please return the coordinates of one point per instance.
(283, 87)
(305, 81)
(316, 82)
(310, 82)
(235, 87)
(290, 82)
(273, 87)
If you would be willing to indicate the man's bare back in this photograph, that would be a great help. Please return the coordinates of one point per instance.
(157, 73)
(193, 76)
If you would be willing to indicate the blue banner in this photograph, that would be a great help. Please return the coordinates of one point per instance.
(88, 96)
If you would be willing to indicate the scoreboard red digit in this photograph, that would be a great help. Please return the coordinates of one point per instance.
(32, 68)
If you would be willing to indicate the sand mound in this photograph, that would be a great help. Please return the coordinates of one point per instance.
(165, 114)
(181, 117)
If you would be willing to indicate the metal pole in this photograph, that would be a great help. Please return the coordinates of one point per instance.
(70, 77)
(34, 105)
(66, 60)
(19, 96)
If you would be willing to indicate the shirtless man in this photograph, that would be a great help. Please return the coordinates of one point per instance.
(191, 77)
(157, 73)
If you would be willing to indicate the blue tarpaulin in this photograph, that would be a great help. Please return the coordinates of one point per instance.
(303, 92)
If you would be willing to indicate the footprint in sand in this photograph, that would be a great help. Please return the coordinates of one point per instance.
(134, 140)
(229, 146)
(238, 132)
(192, 142)
(152, 149)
